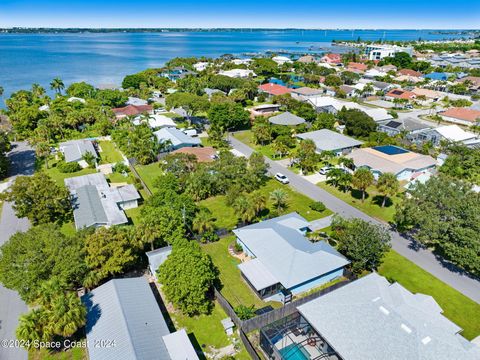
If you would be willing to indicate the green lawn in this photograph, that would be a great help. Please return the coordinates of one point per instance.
(134, 214)
(110, 153)
(119, 178)
(225, 215)
(207, 329)
(71, 354)
(457, 307)
(371, 206)
(234, 289)
(247, 138)
(56, 175)
(149, 173)
(296, 201)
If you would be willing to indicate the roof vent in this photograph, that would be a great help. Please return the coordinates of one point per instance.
(406, 329)
(376, 299)
(383, 310)
(426, 340)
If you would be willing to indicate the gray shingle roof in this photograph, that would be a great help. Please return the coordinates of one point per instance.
(373, 319)
(328, 140)
(75, 149)
(286, 118)
(286, 253)
(125, 310)
(408, 124)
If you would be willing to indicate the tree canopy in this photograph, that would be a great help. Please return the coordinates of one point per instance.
(357, 123)
(187, 277)
(444, 213)
(228, 116)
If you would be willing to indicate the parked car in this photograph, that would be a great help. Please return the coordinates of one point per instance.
(282, 178)
(324, 170)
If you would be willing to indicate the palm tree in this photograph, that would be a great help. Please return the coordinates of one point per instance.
(57, 85)
(31, 327)
(362, 179)
(203, 221)
(259, 201)
(66, 314)
(245, 208)
(279, 197)
(37, 90)
(367, 89)
(90, 159)
(387, 185)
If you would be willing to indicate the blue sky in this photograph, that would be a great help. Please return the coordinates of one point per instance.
(367, 14)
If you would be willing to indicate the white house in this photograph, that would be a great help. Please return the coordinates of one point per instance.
(238, 73)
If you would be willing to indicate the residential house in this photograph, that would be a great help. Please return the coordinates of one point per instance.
(286, 119)
(201, 66)
(387, 68)
(280, 60)
(472, 81)
(304, 93)
(306, 59)
(238, 73)
(96, 204)
(381, 51)
(264, 110)
(380, 85)
(175, 139)
(411, 127)
(409, 79)
(132, 110)
(155, 121)
(462, 116)
(283, 261)
(356, 67)
(328, 140)
(136, 101)
(76, 99)
(409, 72)
(209, 92)
(242, 61)
(349, 91)
(74, 150)
(400, 94)
(333, 59)
(124, 322)
(203, 154)
(391, 159)
(431, 95)
(373, 73)
(455, 60)
(451, 134)
(178, 72)
(274, 89)
(369, 318)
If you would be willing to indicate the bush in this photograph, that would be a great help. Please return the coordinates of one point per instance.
(237, 247)
(209, 236)
(317, 206)
(121, 168)
(245, 312)
(70, 167)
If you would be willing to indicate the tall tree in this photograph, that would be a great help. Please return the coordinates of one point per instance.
(364, 244)
(39, 199)
(57, 85)
(108, 252)
(306, 155)
(387, 185)
(279, 198)
(362, 179)
(187, 277)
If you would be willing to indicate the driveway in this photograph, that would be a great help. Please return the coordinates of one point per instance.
(424, 258)
(22, 159)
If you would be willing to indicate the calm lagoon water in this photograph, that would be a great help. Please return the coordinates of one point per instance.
(107, 58)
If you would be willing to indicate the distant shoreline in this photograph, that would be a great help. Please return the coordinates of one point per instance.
(45, 30)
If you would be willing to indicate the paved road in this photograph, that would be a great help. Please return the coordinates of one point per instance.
(22, 159)
(456, 278)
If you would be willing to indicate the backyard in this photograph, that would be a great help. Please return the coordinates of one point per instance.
(247, 138)
(234, 289)
(457, 307)
(373, 201)
(149, 173)
(109, 153)
(59, 177)
(71, 354)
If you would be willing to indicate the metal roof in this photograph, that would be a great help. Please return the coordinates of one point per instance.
(157, 257)
(126, 312)
(373, 319)
(286, 118)
(179, 346)
(280, 245)
(258, 275)
(176, 136)
(87, 208)
(328, 140)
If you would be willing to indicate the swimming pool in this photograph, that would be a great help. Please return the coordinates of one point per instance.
(391, 150)
(294, 352)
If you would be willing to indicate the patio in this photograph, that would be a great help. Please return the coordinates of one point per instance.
(293, 338)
